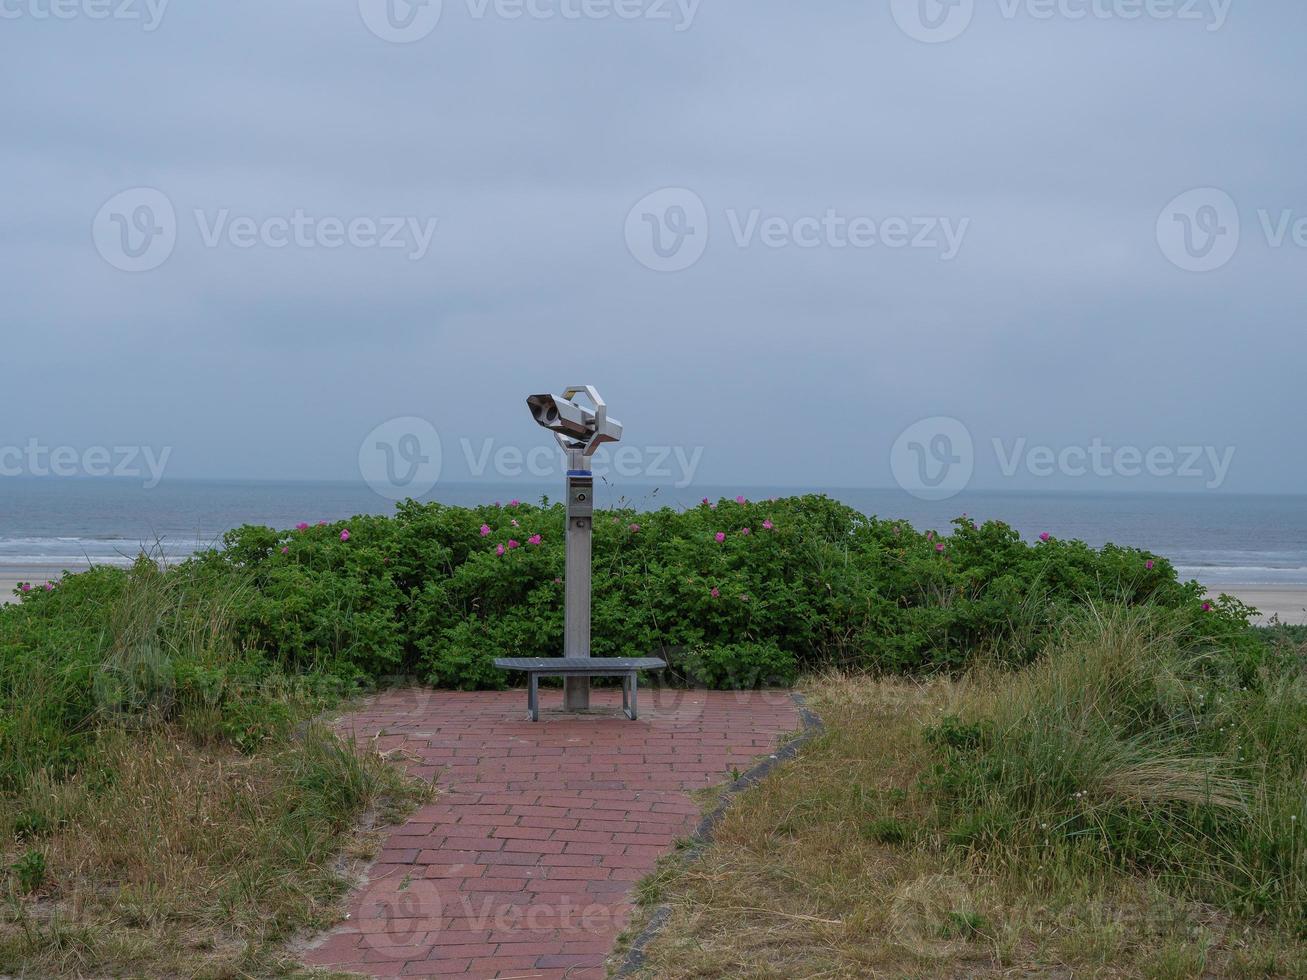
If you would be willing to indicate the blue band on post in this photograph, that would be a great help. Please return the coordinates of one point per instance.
(579, 473)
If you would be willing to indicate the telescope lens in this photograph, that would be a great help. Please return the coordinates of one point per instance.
(551, 414)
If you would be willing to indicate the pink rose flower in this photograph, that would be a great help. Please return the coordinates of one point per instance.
(740, 499)
(485, 530)
(285, 551)
(1045, 536)
(534, 539)
(499, 549)
(745, 530)
(302, 526)
(714, 592)
(634, 528)
(767, 525)
(705, 500)
(25, 587)
(719, 537)
(1207, 607)
(514, 522)
(1149, 564)
(930, 535)
(940, 546)
(49, 586)
(344, 535)
(514, 502)
(514, 543)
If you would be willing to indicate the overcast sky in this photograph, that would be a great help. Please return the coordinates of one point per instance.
(871, 214)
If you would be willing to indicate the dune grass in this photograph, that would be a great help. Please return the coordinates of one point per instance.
(1119, 809)
(170, 807)
(1126, 747)
(161, 858)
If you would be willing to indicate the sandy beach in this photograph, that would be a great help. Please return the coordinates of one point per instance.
(37, 575)
(1288, 602)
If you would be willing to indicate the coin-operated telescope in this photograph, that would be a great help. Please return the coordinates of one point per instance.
(579, 431)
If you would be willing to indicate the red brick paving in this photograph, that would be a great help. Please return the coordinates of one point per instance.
(523, 865)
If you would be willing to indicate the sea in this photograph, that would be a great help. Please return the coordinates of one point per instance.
(1219, 539)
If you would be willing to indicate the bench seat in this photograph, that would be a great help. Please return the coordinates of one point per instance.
(624, 667)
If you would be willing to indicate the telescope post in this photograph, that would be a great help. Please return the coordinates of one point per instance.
(576, 581)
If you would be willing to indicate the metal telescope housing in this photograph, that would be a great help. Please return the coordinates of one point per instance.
(574, 425)
(579, 431)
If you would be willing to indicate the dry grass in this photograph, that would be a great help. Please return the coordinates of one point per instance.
(171, 860)
(830, 868)
(1177, 780)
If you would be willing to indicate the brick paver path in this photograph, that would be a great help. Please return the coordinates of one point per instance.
(523, 865)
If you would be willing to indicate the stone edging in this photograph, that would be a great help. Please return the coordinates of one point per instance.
(703, 834)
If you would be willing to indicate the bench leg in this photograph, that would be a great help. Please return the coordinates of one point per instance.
(629, 696)
(533, 696)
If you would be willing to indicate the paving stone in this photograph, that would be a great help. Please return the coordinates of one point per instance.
(525, 864)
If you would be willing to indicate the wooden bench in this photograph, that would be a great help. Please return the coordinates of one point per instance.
(624, 667)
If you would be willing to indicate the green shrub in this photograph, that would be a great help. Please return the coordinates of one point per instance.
(28, 872)
(133, 648)
(425, 590)
(741, 666)
(793, 584)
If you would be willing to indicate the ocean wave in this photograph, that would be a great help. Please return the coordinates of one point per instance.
(65, 561)
(1247, 568)
(1243, 574)
(1218, 558)
(65, 541)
